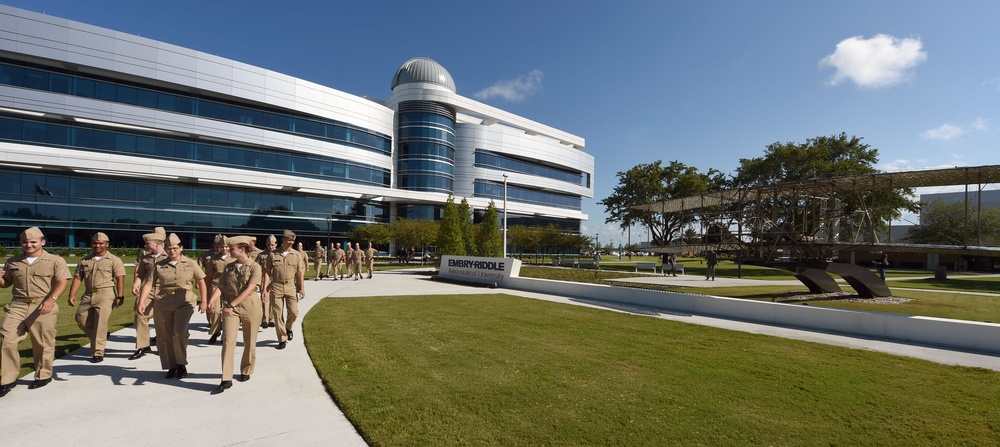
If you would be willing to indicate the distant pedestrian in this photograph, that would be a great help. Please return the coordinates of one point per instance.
(711, 259)
(672, 261)
(880, 264)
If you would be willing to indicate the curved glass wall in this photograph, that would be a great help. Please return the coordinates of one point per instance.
(426, 147)
(49, 80)
(95, 138)
(71, 207)
(420, 212)
(493, 160)
(494, 190)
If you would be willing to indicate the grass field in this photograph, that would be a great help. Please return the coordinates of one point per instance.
(509, 371)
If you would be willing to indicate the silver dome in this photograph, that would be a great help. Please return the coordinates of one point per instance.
(422, 69)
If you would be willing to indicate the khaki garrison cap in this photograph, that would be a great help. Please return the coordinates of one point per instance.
(32, 233)
(219, 239)
(289, 234)
(100, 237)
(159, 230)
(272, 240)
(236, 240)
(173, 240)
(154, 237)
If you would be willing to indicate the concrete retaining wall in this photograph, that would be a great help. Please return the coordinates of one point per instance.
(969, 335)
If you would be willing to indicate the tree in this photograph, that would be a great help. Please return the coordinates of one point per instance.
(468, 229)
(952, 223)
(450, 240)
(653, 182)
(376, 233)
(414, 233)
(522, 238)
(489, 240)
(821, 157)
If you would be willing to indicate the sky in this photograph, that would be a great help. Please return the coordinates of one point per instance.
(705, 83)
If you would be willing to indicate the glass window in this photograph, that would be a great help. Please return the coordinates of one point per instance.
(128, 95)
(59, 83)
(38, 80)
(147, 98)
(145, 145)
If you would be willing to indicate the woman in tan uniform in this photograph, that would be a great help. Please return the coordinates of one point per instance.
(174, 306)
(238, 298)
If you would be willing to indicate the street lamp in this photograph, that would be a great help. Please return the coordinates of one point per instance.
(505, 215)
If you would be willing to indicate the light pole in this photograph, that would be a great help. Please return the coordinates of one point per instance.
(505, 215)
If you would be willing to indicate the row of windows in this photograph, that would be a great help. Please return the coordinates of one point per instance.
(418, 149)
(493, 190)
(90, 137)
(425, 133)
(328, 130)
(423, 119)
(425, 182)
(410, 166)
(487, 159)
(89, 198)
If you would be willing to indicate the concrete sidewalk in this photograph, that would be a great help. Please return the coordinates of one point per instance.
(122, 402)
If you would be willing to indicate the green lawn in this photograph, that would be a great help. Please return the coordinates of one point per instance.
(508, 371)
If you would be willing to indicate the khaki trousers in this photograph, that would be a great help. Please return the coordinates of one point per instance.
(92, 316)
(142, 322)
(172, 318)
(278, 304)
(370, 265)
(335, 269)
(357, 268)
(249, 313)
(318, 264)
(22, 317)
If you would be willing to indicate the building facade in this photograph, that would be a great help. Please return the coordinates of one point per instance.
(106, 131)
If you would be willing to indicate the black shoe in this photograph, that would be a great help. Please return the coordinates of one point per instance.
(290, 335)
(225, 385)
(263, 325)
(243, 377)
(152, 341)
(39, 383)
(182, 372)
(139, 353)
(281, 345)
(97, 359)
(171, 373)
(271, 324)
(214, 338)
(4, 389)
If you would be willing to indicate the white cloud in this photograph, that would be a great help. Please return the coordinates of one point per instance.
(513, 90)
(881, 61)
(946, 132)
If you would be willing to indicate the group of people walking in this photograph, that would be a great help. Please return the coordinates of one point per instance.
(225, 283)
(348, 260)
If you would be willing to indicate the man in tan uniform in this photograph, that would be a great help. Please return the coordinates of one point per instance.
(359, 257)
(143, 268)
(258, 256)
(318, 260)
(102, 275)
(213, 262)
(37, 278)
(370, 259)
(336, 267)
(284, 273)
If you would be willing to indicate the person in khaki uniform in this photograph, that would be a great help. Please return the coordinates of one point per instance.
(336, 263)
(102, 276)
(236, 296)
(172, 277)
(370, 259)
(320, 256)
(348, 260)
(213, 262)
(37, 278)
(259, 257)
(305, 256)
(284, 274)
(143, 268)
(359, 257)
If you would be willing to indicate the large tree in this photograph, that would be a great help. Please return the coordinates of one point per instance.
(820, 157)
(954, 223)
(450, 239)
(468, 228)
(489, 241)
(376, 233)
(653, 182)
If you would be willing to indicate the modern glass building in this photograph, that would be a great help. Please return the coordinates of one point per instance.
(105, 131)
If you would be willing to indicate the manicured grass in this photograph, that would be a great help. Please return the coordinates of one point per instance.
(962, 283)
(509, 371)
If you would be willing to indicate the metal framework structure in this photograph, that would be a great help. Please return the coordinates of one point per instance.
(810, 236)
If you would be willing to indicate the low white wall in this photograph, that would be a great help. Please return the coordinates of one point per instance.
(962, 334)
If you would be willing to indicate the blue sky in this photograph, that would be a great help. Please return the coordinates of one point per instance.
(702, 82)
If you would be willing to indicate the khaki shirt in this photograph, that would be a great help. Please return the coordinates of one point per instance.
(34, 281)
(349, 256)
(283, 271)
(144, 265)
(176, 278)
(337, 255)
(213, 265)
(99, 274)
(370, 255)
(320, 254)
(234, 279)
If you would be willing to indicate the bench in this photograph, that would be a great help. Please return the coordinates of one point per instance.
(645, 266)
(587, 263)
(666, 268)
(567, 262)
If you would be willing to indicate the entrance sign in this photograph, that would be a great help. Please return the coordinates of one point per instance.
(484, 270)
